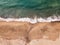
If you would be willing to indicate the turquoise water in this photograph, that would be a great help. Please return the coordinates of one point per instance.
(29, 8)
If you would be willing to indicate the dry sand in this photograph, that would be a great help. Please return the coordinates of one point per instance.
(25, 33)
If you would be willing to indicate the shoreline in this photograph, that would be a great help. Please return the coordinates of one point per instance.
(32, 20)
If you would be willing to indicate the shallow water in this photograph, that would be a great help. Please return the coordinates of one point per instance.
(29, 8)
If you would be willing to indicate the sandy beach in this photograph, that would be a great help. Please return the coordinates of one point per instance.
(25, 33)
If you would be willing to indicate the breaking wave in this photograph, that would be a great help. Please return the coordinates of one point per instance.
(32, 20)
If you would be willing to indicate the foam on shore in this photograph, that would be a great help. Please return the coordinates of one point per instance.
(34, 20)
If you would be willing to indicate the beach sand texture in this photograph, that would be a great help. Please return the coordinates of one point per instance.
(25, 33)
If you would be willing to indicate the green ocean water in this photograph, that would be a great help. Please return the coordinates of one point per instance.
(29, 8)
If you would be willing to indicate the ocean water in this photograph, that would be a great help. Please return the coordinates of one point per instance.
(29, 8)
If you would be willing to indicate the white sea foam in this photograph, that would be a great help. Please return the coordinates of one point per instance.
(34, 20)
